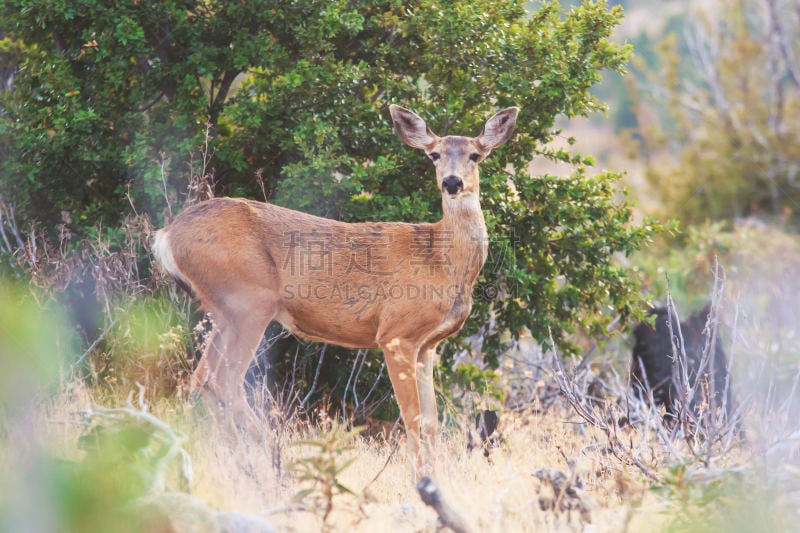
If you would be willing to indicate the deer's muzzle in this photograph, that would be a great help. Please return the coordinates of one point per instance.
(453, 184)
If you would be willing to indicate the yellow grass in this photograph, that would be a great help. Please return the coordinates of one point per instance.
(501, 495)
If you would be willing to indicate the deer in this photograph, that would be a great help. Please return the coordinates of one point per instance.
(401, 287)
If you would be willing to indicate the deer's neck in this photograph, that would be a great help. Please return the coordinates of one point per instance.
(463, 219)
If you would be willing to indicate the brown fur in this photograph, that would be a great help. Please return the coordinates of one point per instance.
(401, 287)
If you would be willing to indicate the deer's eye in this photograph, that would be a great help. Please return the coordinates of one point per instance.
(434, 156)
(475, 157)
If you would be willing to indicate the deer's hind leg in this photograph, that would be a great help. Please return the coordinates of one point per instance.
(229, 351)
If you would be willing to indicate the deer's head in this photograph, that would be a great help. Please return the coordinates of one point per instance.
(455, 158)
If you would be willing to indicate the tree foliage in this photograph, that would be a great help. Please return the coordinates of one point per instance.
(295, 96)
(731, 139)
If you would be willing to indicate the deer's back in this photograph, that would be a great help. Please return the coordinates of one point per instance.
(330, 281)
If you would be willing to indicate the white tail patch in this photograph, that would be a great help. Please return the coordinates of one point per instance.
(162, 251)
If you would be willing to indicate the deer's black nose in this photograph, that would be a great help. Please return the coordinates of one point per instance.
(453, 184)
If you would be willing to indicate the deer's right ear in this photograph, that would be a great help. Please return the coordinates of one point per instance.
(411, 128)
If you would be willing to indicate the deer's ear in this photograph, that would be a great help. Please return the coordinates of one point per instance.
(411, 128)
(499, 128)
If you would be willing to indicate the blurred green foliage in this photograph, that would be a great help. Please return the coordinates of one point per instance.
(126, 456)
(33, 342)
(727, 85)
(741, 500)
(126, 453)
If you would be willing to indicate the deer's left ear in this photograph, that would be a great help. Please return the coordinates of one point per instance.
(499, 128)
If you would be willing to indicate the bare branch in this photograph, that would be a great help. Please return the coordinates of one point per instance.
(792, 66)
(316, 375)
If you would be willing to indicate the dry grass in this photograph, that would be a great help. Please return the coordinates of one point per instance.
(503, 494)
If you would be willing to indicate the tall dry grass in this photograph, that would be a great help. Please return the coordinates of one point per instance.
(508, 492)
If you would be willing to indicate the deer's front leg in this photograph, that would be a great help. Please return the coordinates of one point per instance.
(401, 361)
(428, 411)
